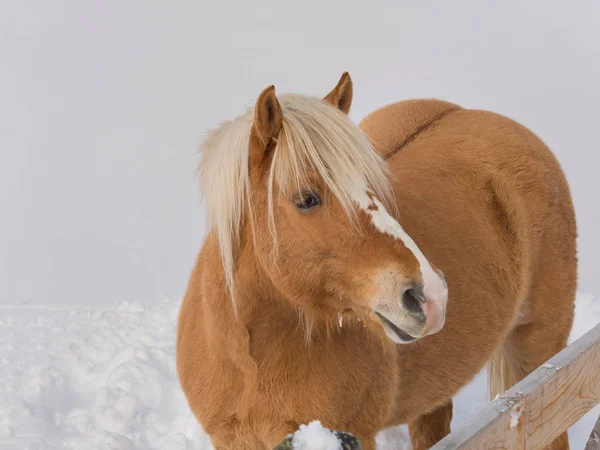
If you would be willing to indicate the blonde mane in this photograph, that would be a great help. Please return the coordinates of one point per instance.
(315, 137)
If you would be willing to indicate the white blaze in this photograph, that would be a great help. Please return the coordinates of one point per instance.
(434, 286)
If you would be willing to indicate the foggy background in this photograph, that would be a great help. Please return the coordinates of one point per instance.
(103, 106)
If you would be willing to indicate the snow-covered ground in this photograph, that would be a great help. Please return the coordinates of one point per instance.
(104, 378)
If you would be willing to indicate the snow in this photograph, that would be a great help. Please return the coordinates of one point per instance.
(515, 415)
(315, 437)
(105, 378)
(93, 379)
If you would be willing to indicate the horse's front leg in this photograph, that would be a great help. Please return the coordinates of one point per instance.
(237, 435)
(366, 443)
(241, 443)
(429, 429)
(236, 445)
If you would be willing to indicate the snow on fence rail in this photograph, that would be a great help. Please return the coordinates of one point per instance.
(538, 409)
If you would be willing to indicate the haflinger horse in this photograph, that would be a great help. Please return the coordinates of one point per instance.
(361, 275)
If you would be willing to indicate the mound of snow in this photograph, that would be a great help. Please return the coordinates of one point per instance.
(93, 379)
(315, 437)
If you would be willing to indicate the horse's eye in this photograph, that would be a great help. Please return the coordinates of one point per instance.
(307, 201)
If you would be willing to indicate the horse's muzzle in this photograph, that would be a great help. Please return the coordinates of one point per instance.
(413, 317)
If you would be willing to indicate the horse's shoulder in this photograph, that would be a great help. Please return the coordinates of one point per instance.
(393, 126)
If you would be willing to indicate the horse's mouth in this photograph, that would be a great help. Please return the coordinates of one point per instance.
(395, 333)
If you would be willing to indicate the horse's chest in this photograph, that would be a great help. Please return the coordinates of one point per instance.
(339, 379)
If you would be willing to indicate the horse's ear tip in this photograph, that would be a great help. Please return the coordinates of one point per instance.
(267, 94)
(269, 90)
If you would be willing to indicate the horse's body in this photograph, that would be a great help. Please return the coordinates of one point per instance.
(488, 204)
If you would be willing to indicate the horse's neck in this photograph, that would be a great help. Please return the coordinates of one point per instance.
(229, 322)
(262, 311)
(258, 300)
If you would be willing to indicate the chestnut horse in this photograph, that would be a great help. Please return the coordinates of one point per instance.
(320, 291)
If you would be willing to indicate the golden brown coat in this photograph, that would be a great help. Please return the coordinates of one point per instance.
(486, 202)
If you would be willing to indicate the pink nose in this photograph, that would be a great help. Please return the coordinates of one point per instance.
(434, 316)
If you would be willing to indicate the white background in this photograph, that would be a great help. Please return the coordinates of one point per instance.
(103, 106)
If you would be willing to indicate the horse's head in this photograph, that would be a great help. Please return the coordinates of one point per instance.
(306, 190)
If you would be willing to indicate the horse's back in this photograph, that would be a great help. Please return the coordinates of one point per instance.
(486, 200)
(394, 126)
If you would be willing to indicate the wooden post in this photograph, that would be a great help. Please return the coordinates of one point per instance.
(539, 408)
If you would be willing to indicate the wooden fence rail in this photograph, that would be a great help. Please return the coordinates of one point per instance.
(539, 408)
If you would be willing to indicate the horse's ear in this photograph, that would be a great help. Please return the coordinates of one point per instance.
(341, 95)
(267, 118)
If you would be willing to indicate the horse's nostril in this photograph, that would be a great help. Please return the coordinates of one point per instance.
(412, 300)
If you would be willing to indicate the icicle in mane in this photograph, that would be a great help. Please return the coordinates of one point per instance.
(315, 137)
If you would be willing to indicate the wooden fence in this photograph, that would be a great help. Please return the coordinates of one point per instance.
(542, 406)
